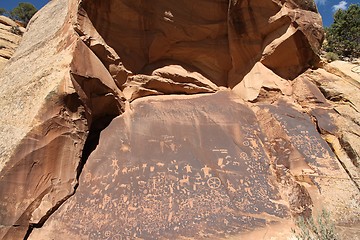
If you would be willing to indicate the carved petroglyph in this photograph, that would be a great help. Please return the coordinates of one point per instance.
(167, 194)
(308, 142)
(214, 182)
(206, 171)
(188, 168)
(180, 179)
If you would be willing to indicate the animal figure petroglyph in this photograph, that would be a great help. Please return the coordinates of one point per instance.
(185, 180)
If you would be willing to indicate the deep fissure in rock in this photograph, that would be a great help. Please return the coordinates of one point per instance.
(90, 145)
(344, 166)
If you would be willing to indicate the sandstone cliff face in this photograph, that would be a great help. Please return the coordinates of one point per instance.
(170, 119)
(10, 36)
(220, 41)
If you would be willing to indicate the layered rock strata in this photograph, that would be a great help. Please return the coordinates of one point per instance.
(10, 36)
(170, 119)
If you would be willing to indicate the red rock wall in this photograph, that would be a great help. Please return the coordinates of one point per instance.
(106, 55)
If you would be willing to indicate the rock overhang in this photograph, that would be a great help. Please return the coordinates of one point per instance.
(220, 40)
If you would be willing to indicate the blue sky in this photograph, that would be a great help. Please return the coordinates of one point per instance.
(326, 7)
(10, 4)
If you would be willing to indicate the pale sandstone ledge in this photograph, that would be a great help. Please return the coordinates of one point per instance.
(10, 36)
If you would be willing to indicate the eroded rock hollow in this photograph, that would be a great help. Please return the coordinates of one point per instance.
(171, 119)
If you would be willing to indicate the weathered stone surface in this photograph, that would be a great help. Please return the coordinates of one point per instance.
(336, 119)
(342, 93)
(170, 79)
(42, 122)
(261, 77)
(180, 167)
(46, 126)
(221, 44)
(188, 171)
(94, 156)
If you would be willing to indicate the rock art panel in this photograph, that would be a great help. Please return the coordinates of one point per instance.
(171, 168)
(342, 106)
(297, 149)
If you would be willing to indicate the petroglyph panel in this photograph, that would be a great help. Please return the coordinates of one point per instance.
(175, 168)
(302, 134)
(293, 142)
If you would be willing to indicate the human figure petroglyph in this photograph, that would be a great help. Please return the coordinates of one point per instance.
(114, 164)
(206, 170)
(144, 166)
(116, 173)
(188, 168)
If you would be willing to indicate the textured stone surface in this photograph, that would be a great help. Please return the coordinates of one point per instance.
(93, 153)
(181, 167)
(342, 92)
(222, 44)
(188, 171)
(45, 128)
(10, 36)
(42, 122)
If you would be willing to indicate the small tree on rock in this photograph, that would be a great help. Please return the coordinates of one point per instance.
(343, 36)
(3, 11)
(23, 12)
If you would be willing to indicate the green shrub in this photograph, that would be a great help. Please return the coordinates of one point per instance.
(331, 56)
(320, 229)
(343, 36)
(3, 11)
(23, 12)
